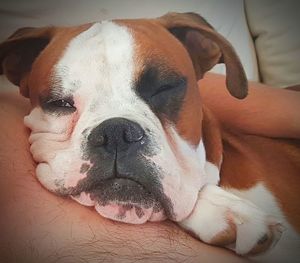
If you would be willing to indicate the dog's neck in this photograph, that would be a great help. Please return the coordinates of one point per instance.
(212, 138)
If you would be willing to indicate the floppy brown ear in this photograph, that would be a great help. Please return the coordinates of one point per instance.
(207, 48)
(20, 50)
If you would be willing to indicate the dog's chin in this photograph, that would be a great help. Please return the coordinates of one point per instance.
(123, 200)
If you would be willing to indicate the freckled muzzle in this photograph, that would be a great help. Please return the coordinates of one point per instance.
(121, 182)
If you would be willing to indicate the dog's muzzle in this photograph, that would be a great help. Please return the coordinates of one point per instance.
(120, 175)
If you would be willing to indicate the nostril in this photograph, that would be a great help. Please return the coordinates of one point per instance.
(102, 140)
(133, 135)
(99, 140)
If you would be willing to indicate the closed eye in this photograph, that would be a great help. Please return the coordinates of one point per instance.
(60, 103)
(165, 88)
(176, 86)
(56, 105)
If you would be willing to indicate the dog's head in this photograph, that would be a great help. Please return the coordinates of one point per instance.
(116, 114)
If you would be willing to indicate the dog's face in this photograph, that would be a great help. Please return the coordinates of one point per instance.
(116, 115)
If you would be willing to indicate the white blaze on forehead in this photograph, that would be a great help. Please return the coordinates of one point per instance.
(98, 59)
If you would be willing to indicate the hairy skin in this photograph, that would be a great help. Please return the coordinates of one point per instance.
(37, 226)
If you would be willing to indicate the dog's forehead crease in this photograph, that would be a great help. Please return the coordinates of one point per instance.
(100, 58)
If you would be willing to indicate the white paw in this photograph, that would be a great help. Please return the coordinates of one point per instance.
(221, 218)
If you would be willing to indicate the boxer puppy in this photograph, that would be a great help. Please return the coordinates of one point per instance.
(117, 123)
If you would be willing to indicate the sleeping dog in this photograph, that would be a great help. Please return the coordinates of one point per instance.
(117, 123)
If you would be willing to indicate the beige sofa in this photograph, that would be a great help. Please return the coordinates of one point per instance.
(265, 33)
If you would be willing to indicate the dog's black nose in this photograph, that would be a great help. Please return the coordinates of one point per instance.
(117, 134)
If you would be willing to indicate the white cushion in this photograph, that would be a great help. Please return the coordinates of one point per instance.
(275, 28)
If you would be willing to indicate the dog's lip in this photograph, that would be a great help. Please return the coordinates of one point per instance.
(159, 200)
(91, 199)
(120, 185)
(122, 179)
(93, 187)
(128, 211)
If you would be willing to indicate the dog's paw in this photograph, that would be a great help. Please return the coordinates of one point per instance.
(223, 219)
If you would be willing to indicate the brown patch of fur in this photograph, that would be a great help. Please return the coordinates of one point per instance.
(236, 80)
(211, 138)
(39, 79)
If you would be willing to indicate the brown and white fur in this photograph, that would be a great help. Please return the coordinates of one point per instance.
(117, 123)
